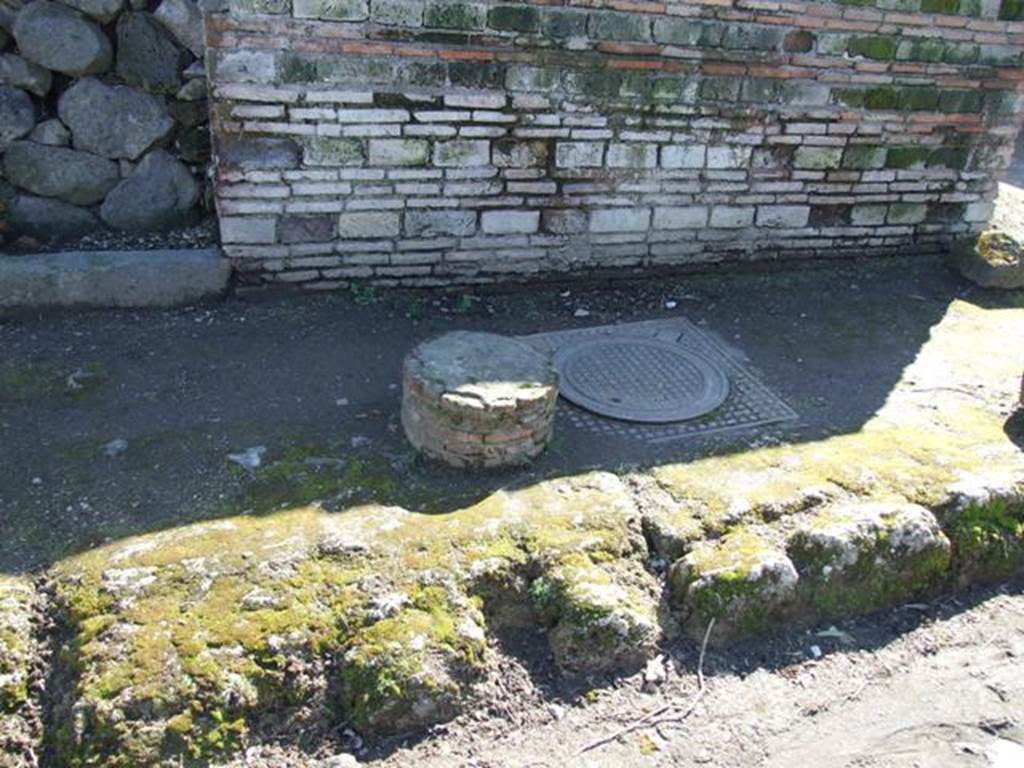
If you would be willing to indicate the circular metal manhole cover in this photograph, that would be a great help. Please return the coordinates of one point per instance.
(636, 379)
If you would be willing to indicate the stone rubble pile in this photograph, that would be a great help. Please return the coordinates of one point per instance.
(103, 117)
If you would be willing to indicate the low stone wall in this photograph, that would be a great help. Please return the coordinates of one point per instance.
(103, 116)
(433, 142)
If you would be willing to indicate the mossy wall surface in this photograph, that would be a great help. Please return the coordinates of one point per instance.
(430, 143)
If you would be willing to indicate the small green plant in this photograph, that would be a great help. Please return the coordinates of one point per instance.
(466, 304)
(364, 295)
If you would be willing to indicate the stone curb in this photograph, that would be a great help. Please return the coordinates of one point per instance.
(845, 559)
(160, 278)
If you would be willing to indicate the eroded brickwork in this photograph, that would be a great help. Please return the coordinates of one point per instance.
(434, 142)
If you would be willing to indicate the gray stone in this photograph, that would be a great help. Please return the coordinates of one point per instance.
(678, 156)
(399, 152)
(4, 39)
(321, 228)
(817, 158)
(994, 259)
(113, 121)
(160, 193)
(113, 279)
(17, 115)
(248, 229)
(856, 558)
(620, 220)
(681, 217)
(568, 222)
(184, 21)
(193, 90)
(632, 155)
(337, 10)
(728, 156)
(104, 11)
(77, 177)
(257, 153)
(46, 219)
(783, 215)
(731, 217)
(146, 54)
(58, 38)
(52, 133)
(9, 12)
(400, 13)
(579, 154)
(744, 581)
(432, 223)
(462, 153)
(368, 225)
(510, 222)
(16, 71)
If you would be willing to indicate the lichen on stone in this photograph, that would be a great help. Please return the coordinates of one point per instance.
(855, 558)
(19, 725)
(743, 581)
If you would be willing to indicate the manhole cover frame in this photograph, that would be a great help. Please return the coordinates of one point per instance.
(715, 391)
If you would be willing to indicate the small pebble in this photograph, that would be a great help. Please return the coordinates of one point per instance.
(250, 458)
(671, 304)
(816, 651)
(115, 447)
(581, 312)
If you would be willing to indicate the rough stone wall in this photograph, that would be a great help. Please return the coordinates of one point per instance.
(103, 117)
(432, 142)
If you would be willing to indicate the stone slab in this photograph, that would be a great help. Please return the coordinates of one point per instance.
(112, 279)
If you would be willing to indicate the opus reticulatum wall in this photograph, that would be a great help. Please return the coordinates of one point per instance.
(433, 142)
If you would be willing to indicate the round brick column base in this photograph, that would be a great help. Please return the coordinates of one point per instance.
(478, 400)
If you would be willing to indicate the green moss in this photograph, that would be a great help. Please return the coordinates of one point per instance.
(37, 380)
(879, 47)
(452, 15)
(725, 580)
(864, 157)
(988, 540)
(940, 6)
(513, 18)
(906, 157)
(919, 98)
(883, 97)
(1011, 10)
(850, 563)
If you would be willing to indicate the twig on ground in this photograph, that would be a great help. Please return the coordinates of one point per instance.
(654, 717)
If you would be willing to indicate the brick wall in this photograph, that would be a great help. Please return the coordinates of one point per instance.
(434, 142)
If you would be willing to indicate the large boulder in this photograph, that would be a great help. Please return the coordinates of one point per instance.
(104, 11)
(113, 121)
(159, 194)
(147, 56)
(58, 38)
(76, 177)
(17, 115)
(47, 219)
(8, 13)
(184, 21)
(16, 71)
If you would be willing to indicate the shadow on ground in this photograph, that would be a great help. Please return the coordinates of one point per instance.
(315, 380)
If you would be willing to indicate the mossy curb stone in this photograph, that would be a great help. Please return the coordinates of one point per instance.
(857, 558)
(478, 400)
(994, 260)
(744, 581)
